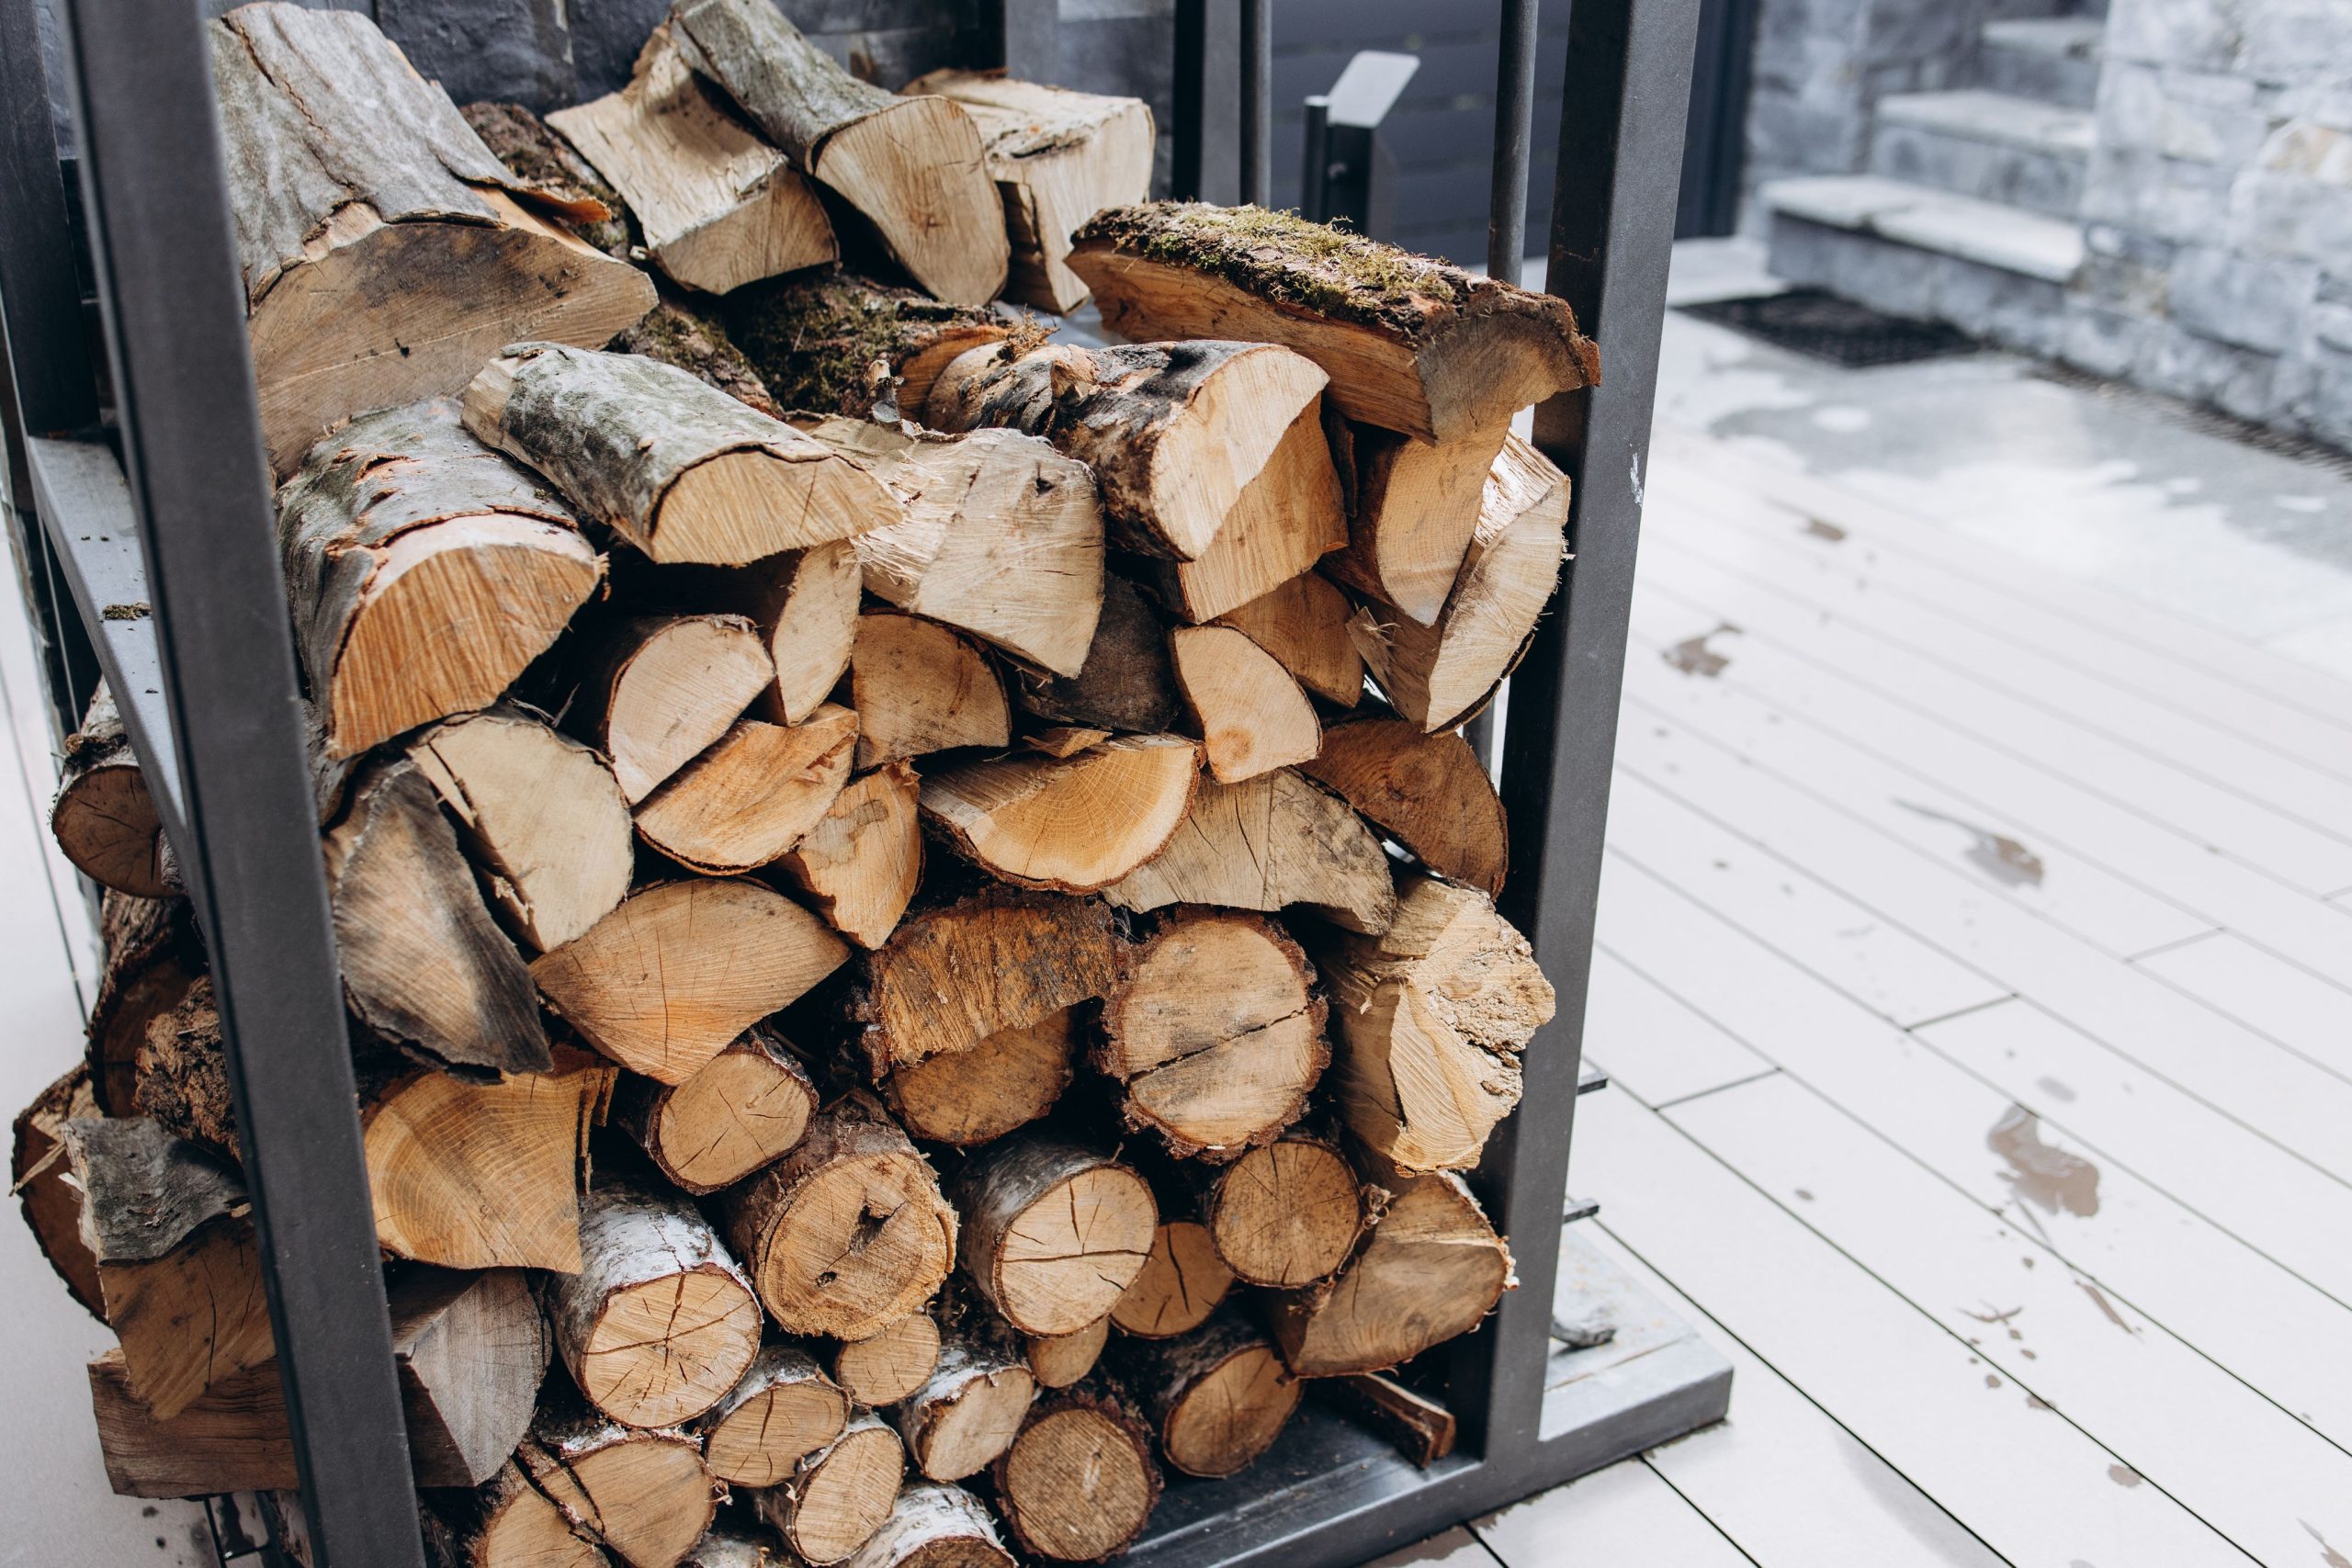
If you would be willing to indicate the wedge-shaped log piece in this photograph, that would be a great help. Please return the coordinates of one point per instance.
(1417, 506)
(1430, 1016)
(1303, 623)
(103, 816)
(233, 1437)
(1218, 1397)
(1264, 845)
(1062, 1360)
(1421, 1428)
(1126, 682)
(912, 167)
(351, 179)
(1427, 1272)
(839, 1497)
(718, 207)
(753, 794)
(506, 1522)
(1072, 825)
(154, 956)
(1412, 345)
(41, 1178)
(1251, 715)
(1053, 1232)
(935, 1526)
(967, 1413)
(662, 690)
(861, 863)
(667, 461)
(1003, 536)
(644, 1496)
(974, 1096)
(1058, 157)
(470, 1349)
(951, 978)
(744, 1108)
(1427, 791)
(1288, 518)
(1174, 432)
(665, 982)
(540, 815)
(832, 342)
(848, 1232)
(802, 604)
(1287, 1213)
(891, 1363)
(558, 177)
(426, 571)
(919, 687)
(1182, 1283)
(1439, 675)
(1063, 739)
(784, 1409)
(1079, 1483)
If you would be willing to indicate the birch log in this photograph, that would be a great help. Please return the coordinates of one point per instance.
(1053, 1232)
(935, 1526)
(840, 1495)
(644, 1496)
(744, 1108)
(784, 1410)
(506, 1522)
(967, 1413)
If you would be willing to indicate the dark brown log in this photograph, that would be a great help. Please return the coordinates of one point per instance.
(471, 1350)
(891, 1363)
(1288, 1213)
(744, 1108)
(967, 1413)
(542, 160)
(644, 1496)
(752, 796)
(1182, 1283)
(38, 1174)
(103, 816)
(1127, 681)
(1069, 825)
(998, 960)
(1078, 1484)
(661, 689)
(1218, 1397)
(1267, 843)
(840, 1495)
(153, 956)
(832, 342)
(1251, 715)
(1053, 1232)
(784, 1410)
(1430, 793)
(1422, 1429)
(1303, 623)
(919, 687)
(1428, 1271)
(181, 1076)
(935, 1526)
(979, 1094)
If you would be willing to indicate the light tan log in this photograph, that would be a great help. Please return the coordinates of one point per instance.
(1303, 623)
(152, 956)
(665, 982)
(1430, 793)
(1422, 1429)
(832, 342)
(753, 794)
(1078, 1484)
(862, 862)
(1412, 345)
(426, 571)
(103, 816)
(1059, 1360)
(1430, 1017)
(848, 1232)
(1267, 843)
(919, 687)
(644, 1496)
(351, 178)
(1053, 1232)
(233, 1437)
(1427, 1272)
(40, 1176)
(1003, 536)
(718, 207)
(1063, 739)
(663, 689)
(967, 1413)
(1069, 825)
(1174, 432)
(1286, 1214)
(1126, 683)
(470, 1349)
(891, 1363)
(539, 814)
(506, 1522)
(669, 462)
(1416, 509)
(840, 1495)
(1181, 1285)
(803, 604)
(997, 960)
(1289, 517)
(1251, 715)
(1218, 1397)
(784, 1410)
(935, 1526)
(1442, 674)
(743, 1109)
(973, 1096)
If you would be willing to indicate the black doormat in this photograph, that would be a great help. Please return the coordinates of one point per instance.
(1822, 326)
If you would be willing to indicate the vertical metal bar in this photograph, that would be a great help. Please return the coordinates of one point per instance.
(1514, 114)
(1257, 101)
(1315, 163)
(173, 306)
(1204, 164)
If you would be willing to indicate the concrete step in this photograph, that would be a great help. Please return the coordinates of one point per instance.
(1988, 145)
(2051, 59)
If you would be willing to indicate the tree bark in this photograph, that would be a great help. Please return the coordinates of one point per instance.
(745, 1108)
(1428, 1271)
(891, 1363)
(1422, 1429)
(1183, 1283)
(1053, 1232)
(935, 1526)
(1078, 1484)
(539, 157)
(1288, 1213)
(471, 1350)
(861, 863)
(691, 338)
(1070, 825)
(841, 1495)
(967, 1413)
(919, 687)
(1430, 793)
(103, 816)
(1264, 845)
(1126, 682)
(752, 796)
(645, 1496)
(39, 1173)
(832, 342)
(506, 1522)
(1217, 1398)
(154, 955)
(998, 960)
(1252, 716)
(784, 1410)
(661, 690)
(1303, 623)
(1006, 1080)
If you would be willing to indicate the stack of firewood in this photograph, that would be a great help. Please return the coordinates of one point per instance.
(901, 983)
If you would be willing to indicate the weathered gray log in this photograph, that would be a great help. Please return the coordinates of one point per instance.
(1126, 682)
(471, 1350)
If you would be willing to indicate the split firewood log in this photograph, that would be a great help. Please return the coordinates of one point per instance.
(911, 166)
(1003, 536)
(848, 1232)
(1264, 845)
(1430, 793)
(832, 342)
(180, 1073)
(41, 1178)
(1058, 157)
(232, 1437)
(1070, 825)
(718, 207)
(840, 1495)
(803, 604)
(1426, 1273)
(471, 1350)
(1183, 1283)
(862, 862)
(1439, 675)
(692, 338)
(1218, 1397)
(1060, 1361)
(1432, 1016)
(784, 1409)
(974, 1096)
(152, 956)
(1053, 1232)
(1288, 518)
(1421, 1428)
(919, 687)
(1252, 716)
(541, 815)
(1063, 739)
(644, 1496)
(103, 816)
(426, 571)
(744, 1108)
(891, 1363)
(424, 963)
(553, 170)
(351, 179)
(669, 979)
(506, 1522)
(1079, 1484)
(753, 794)
(1174, 432)
(1303, 623)
(659, 1323)
(1287, 1213)
(967, 1413)
(1412, 345)
(1216, 1032)
(996, 960)
(1416, 509)
(670, 463)
(663, 689)
(1126, 682)
(935, 1526)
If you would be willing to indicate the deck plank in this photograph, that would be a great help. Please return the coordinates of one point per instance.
(1625, 1513)
(1651, 1042)
(2266, 994)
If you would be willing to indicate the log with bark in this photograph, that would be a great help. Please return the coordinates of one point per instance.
(891, 1363)
(1183, 1283)
(1288, 518)
(662, 689)
(179, 1074)
(1430, 793)
(718, 208)
(1267, 843)
(1126, 682)
(1416, 509)
(1288, 1213)
(1303, 623)
(40, 1176)
(1218, 1397)
(840, 1495)
(671, 464)
(425, 570)
(752, 796)
(910, 166)
(1053, 1232)
(154, 955)
(506, 1522)
(832, 342)
(967, 1412)
(861, 863)
(644, 1496)
(730, 1545)
(1070, 825)
(1412, 345)
(935, 1526)
(1251, 715)
(1060, 1361)
(919, 687)
(744, 1108)
(351, 179)
(784, 1410)
(553, 168)
(103, 816)
(1079, 1484)
(1421, 1428)
(1007, 1080)
(999, 959)
(470, 1351)
(232, 1437)
(693, 338)
(1427, 1272)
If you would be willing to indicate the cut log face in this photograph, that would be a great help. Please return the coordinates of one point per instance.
(842, 1493)
(1126, 683)
(966, 1414)
(104, 818)
(541, 815)
(1431, 1017)
(935, 1526)
(832, 342)
(665, 982)
(233, 1437)
(744, 1108)
(472, 1350)
(645, 1496)
(918, 687)
(1078, 1484)
(1251, 715)
(718, 207)
(1303, 623)
(352, 178)
(784, 1410)
(426, 571)
(891, 1363)
(1286, 1214)
(672, 464)
(1181, 1285)
(1174, 432)
(1266, 843)
(1054, 1232)
(1427, 1272)
(1439, 675)
(1412, 345)
(861, 863)
(979, 1094)
(1058, 157)
(951, 978)
(1072, 825)
(1219, 1396)
(38, 1174)
(911, 166)
(1417, 507)
(667, 689)
(1059, 1360)
(1288, 518)
(753, 794)
(508, 1523)
(1003, 536)
(1427, 791)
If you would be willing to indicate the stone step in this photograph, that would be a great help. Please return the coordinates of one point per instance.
(1989, 145)
(2054, 60)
